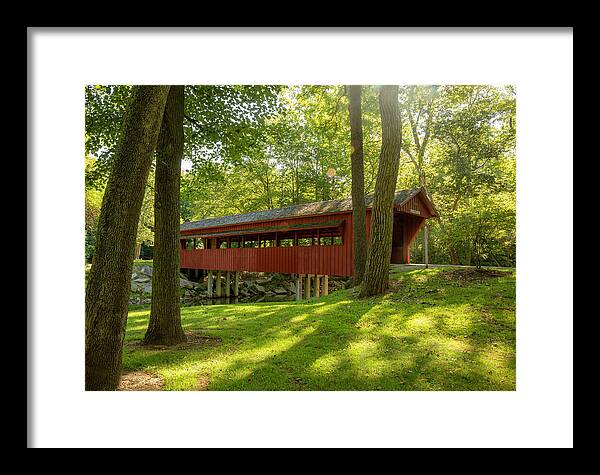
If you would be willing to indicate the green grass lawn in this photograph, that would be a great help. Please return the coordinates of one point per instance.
(432, 332)
(142, 262)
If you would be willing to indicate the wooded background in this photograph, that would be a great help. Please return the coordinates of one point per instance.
(251, 148)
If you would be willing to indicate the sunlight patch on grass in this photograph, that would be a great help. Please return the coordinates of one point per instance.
(327, 363)
(362, 349)
(299, 318)
(138, 313)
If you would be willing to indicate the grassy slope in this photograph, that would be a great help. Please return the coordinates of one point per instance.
(428, 334)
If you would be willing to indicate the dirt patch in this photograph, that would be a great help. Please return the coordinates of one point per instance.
(299, 384)
(396, 286)
(140, 381)
(202, 383)
(194, 340)
(465, 276)
(488, 318)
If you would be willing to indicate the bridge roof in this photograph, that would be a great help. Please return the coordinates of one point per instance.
(294, 211)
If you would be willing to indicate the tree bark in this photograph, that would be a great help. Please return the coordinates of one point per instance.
(359, 219)
(382, 216)
(108, 287)
(165, 327)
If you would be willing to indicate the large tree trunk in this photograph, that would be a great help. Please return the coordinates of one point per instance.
(165, 327)
(107, 292)
(359, 223)
(382, 217)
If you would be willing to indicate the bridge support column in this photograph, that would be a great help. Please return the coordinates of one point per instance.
(218, 286)
(209, 283)
(236, 284)
(298, 287)
(325, 285)
(317, 286)
(227, 284)
(307, 289)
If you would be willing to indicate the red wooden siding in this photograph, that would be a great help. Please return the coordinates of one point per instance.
(412, 225)
(398, 239)
(322, 260)
(415, 206)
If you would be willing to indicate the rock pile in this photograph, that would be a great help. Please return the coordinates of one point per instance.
(251, 286)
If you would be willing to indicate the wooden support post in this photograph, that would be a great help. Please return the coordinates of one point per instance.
(325, 285)
(307, 289)
(298, 287)
(227, 284)
(317, 286)
(236, 284)
(426, 245)
(218, 286)
(210, 283)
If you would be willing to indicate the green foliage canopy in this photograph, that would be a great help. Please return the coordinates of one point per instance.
(249, 148)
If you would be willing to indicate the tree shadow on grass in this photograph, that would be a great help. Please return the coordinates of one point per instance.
(249, 334)
(401, 341)
(433, 357)
(277, 356)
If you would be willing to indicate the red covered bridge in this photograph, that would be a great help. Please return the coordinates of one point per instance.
(312, 239)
